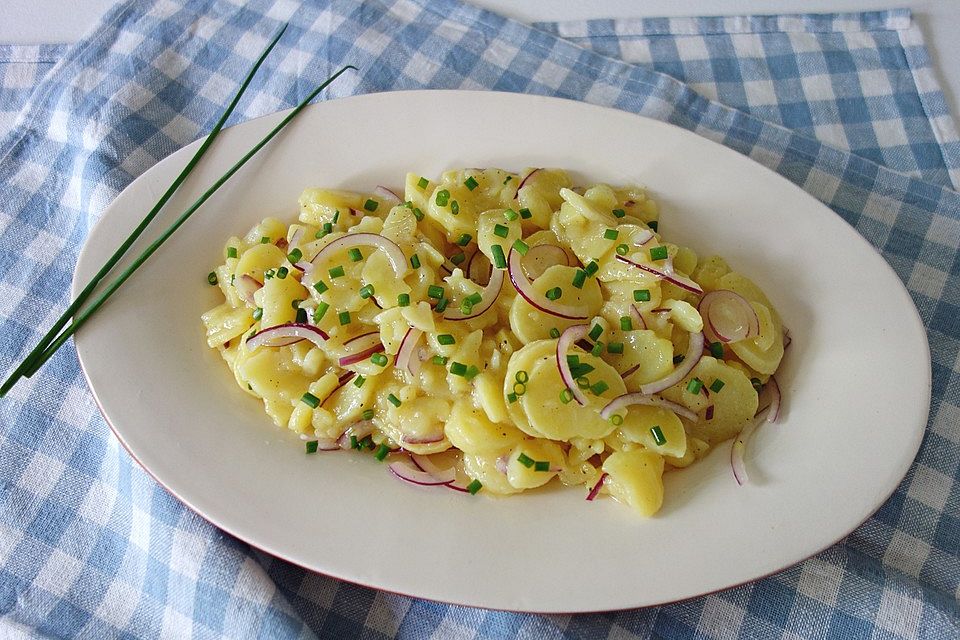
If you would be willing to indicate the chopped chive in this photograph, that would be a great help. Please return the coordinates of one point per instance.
(541, 465)
(354, 443)
(382, 452)
(619, 213)
(442, 305)
(519, 388)
(592, 268)
(458, 368)
(231, 252)
(611, 234)
(474, 487)
(367, 442)
(641, 295)
(455, 207)
(344, 318)
(622, 249)
(443, 197)
(716, 349)
(653, 224)
(510, 215)
(268, 274)
(471, 183)
(525, 460)
(264, 240)
(417, 214)
(320, 286)
(595, 332)
(757, 385)
(445, 339)
(472, 372)
(464, 240)
(499, 260)
(323, 230)
(301, 316)
(522, 377)
(678, 359)
(435, 291)
(579, 278)
(626, 324)
(336, 216)
(466, 307)
(474, 298)
(379, 359)
(440, 360)
(355, 255)
(233, 278)
(371, 205)
(597, 388)
(320, 311)
(257, 313)
(717, 385)
(525, 213)
(358, 381)
(554, 333)
(658, 435)
(212, 277)
(403, 300)
(597, 349)
(658, 253)
(500, 231)
(423, 183)
(573, 359)
(336, 272)
(615, 347)
(311, 446)
(554, 294)
(415, 261)
(282, 272)
(507, 179)
(580, 369)
(310, 399)
(294, 256)
(394, 400)
(367, 414)
(616, 419)
(694, 386)
(366, 291)
(521, 247)
(511, 398)
(457, 258)
(583, 382)
(566, 396)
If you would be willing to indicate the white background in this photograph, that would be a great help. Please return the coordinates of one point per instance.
(36, 21)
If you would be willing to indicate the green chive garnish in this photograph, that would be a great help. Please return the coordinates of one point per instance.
(519, 388)
(611, 234)
(231, 252)
(321, 310)
(336, 216)
(717, 385)
(282, 272)
(525, 214)
(435, 291)
(566, 396)
(458, 368)
(344, 317)
(417, 214)
(394, 400)
(464, 240)
(554, 333)
(354, 443)
(415, 261)
(268, 274)
(257, 313)
(423, 183)
(522, 377)
(474, 487)
(320, 286)
(264, 240)
(445, 339)
(510, 215)
(500, 231)
(367, 414)
(626, 324)
(658, 435)
(294, 256)
(499, 260)
(212, 277)
(470, 183)
(615, 347)
(597, 388)
(355, 255)
(511, 398)
(583, 382)
(592, 268)
(466, 307)
(554, 294)
(379, 359)
(472, 372)
(366, 291)
(622, 249)
(541, 465)
(716, 349)
(474, 298)
(616, 419)
(658, 253)
(619, 213)
(336, 272)
(458, 257)
(579, 278)
(371, 205)
(521, 247)
(525, 460)
(443, 197)
(358, 381)
(382, 451)
(595, 332)
(442, 305)
(694, 386)
(310, 399)
(403, 300)
(653, 224)
(440, 360)
(455, 208)
(641, 295)
(757, 385)
(311, 446)
(597, 349)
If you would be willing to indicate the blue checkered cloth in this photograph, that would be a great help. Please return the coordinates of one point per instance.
(91, 547)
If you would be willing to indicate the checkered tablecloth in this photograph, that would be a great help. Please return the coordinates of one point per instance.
(844, 106)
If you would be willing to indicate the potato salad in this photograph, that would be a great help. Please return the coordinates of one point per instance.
(491, 331)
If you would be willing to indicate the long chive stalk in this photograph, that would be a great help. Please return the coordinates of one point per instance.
(26, 367)
(83, 316)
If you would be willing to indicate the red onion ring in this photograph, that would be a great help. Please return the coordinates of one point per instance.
(739, 449)
(690, 360)
(428, 440)
(637, 318)
(596, 488)
(387, 195)
(426, 464)
(567, 339)
(406, 470)
(361, 429)
(542, 257)
(325, 444)
(708, 414)
(389, 247)
(295, 238)
(525, 288)
(721, 327)
(772, 388)
(670, 276)
(285, 334)
(525, 178)
(490, 294)
(642, 238)
(405, 359)
(628, 399)
(246, 285)
(364, 350)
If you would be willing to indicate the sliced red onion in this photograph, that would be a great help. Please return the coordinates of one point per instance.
(281, 243)
(389, 247)
(406, 470)
(325, 444)
(501, 464)
(285, 334)
(567, 339)
(408, 345)
(708, 414)
(643, 237)
(297, 235)
(670, 276)
(246, 285)
(628, 399)
(690, 360)
(361, 429)
(739, 449)
(596, 488)
(525, 288)
(772, 389)
(458, 486)
(490, 294)
(637, 318)
(431, 439)
(525, 178)
(364, 346)
(426, 464)
(542, 257)
(728, 317)
(387, 195)
(479, 268)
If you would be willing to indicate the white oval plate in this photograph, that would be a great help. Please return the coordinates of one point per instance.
(856, 379)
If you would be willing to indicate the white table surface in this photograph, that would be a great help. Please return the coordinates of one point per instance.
(51, 21)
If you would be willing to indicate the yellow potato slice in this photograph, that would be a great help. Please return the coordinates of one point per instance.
(636, 479)
(530, 324)
(471, 431)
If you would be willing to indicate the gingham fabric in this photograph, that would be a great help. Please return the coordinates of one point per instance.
(21, 69)
(91, 547)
